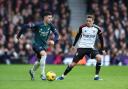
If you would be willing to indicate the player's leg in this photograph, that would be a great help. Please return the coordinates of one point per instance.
(35, 66)
(41, 55)
(79, 55)
(42, 64)
(33, 69)
(67, 70)
(98, 64)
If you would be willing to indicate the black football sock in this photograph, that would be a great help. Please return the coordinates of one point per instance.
(68, 69)
(98, 67)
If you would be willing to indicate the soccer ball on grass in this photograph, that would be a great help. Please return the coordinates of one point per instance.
(51, 76)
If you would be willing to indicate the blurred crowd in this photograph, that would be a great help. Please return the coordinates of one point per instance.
(112, 15)
(14, 13)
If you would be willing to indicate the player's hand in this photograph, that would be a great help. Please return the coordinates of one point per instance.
(51, 43)
(73, 48)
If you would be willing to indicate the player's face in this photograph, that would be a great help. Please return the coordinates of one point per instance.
(89, 22)
(48, 19)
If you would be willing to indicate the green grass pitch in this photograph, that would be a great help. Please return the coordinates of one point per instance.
(81, 77)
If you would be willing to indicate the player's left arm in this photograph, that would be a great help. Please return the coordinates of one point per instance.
(56, 34)
(101, 40)
(100, 35)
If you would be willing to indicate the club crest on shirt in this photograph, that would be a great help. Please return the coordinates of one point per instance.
(48, 29)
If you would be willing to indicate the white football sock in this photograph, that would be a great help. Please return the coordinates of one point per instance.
(35, 66)
(63, 75)
(96, 75)
(42, 65)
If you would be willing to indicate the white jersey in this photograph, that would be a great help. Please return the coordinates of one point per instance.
(88, 36)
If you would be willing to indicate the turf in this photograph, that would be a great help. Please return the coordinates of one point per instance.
(81, 77)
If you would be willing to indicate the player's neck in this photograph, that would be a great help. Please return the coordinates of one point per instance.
(89, 25)
(45, 23)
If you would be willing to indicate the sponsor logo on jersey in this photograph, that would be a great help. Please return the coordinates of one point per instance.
(89, 36)
(43, 33)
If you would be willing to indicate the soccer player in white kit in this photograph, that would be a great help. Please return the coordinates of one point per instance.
(85, 42)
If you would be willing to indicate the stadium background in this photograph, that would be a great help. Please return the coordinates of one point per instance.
(111, 15)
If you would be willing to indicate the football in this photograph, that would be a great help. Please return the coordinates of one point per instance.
(51, 76)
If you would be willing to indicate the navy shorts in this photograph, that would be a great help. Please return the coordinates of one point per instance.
(37, 49)
(81, 52)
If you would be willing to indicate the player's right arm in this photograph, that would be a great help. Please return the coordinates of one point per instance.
(24, 27)
(77, 36)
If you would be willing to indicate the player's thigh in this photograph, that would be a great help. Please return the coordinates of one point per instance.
(95, 54)
(39, 50)
(79, 55)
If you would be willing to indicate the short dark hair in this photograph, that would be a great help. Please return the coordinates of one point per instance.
(46, 13)
(91, 16)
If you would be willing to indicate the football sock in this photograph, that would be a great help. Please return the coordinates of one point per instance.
(35, 66)
(68, 69)
(96, 75)
(42, 65)
(98, 67)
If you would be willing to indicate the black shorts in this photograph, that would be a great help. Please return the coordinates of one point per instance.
(81, 52)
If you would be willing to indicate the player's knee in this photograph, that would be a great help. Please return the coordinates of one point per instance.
(98, 58)
(43, 53)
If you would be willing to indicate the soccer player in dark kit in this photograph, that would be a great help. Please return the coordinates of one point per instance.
(40, 42)
(85, 42)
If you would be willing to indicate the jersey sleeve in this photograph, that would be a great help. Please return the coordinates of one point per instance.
(78, 35)
(55, 32)
(100, 35)
(100, 30)
(24, 27)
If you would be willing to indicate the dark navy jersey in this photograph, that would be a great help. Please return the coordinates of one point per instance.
(41, 32)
